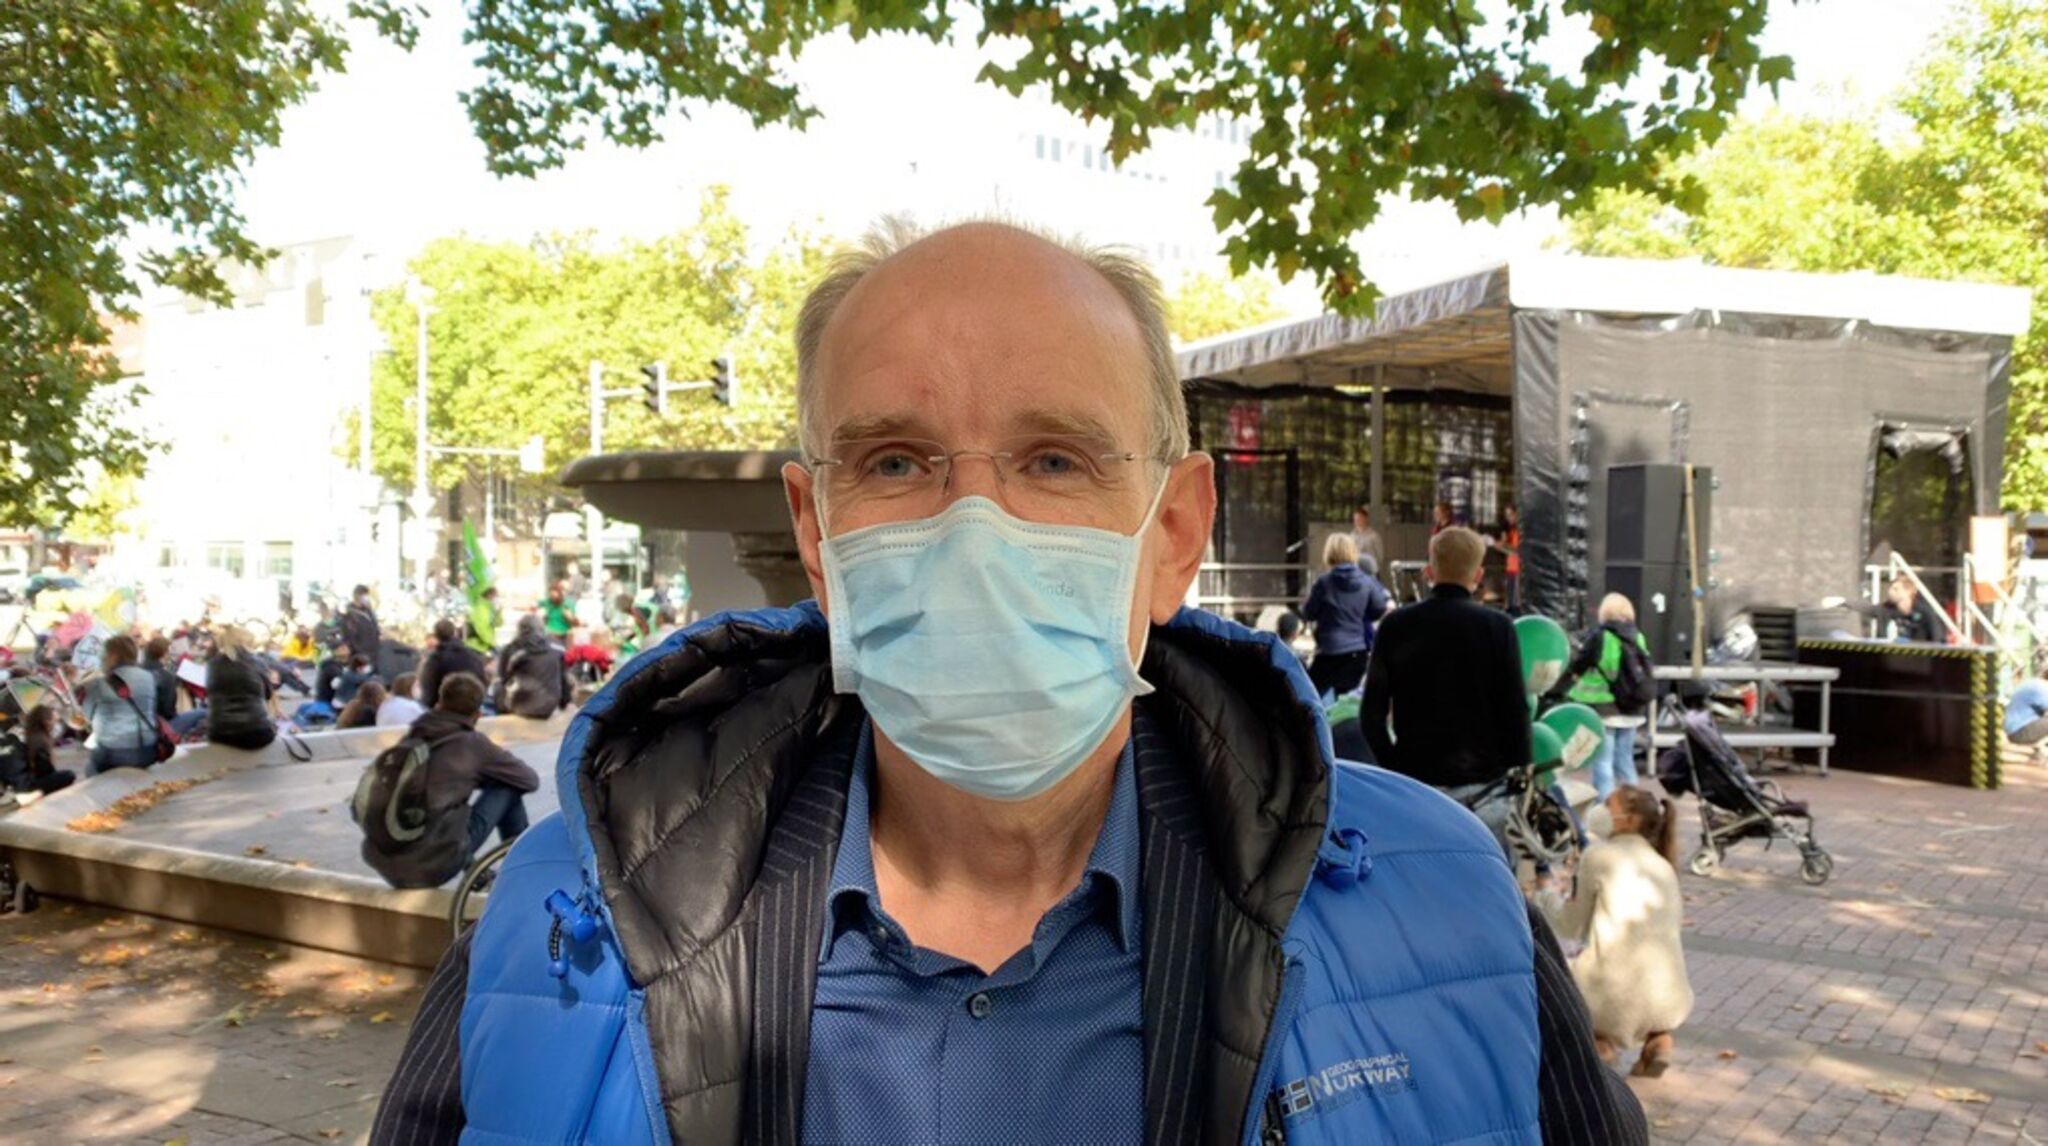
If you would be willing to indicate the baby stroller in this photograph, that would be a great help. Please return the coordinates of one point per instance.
(1732, 805)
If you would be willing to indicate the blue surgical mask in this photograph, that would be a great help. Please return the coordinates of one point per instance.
(993, 651)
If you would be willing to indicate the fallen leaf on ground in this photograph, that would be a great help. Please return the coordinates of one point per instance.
(381, 1017)
(234, 1017)
(175, 1142)
(256, 850)
(386, 980)
(2042, 1047)
(1728, 1054)
(333, 1133)
(117, 813)
(1961, 1094)
(1890, 1089)
(341, 1082)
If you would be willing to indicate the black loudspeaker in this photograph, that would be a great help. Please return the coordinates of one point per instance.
(1663, 599)
(1646, 550)
(1646, 513)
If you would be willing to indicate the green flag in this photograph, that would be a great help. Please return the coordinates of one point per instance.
(483, 615)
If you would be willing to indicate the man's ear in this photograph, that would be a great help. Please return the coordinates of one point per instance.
(1187, 510)
(797, 484)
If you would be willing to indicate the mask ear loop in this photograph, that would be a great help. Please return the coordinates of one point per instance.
(1139, 684)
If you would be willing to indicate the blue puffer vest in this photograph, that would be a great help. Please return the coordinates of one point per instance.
(1389, 987)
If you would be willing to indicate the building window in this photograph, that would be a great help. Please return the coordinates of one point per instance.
(1041, 146)
(1055, 151)
(167, 556)
(225, 556)
(277, 559)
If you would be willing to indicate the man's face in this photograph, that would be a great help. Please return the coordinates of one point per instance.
(1360, 519)
(977, 339)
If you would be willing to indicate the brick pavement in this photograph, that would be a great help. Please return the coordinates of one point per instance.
(123, 1028)
(1905, 1001)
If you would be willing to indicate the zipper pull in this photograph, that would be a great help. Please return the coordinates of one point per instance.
(570, 915)
(1343, 861)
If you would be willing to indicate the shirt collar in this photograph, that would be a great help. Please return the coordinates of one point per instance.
(1113, 862)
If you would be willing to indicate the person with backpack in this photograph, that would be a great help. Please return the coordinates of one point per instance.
(120, 703)
(1611, 674)
(427, 803)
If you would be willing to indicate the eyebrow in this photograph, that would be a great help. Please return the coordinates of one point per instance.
(867, 427)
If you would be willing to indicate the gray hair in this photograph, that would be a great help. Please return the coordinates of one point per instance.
(1125, 272)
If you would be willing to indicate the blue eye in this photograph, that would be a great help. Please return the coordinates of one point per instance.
(1055, 462)
(894, 464)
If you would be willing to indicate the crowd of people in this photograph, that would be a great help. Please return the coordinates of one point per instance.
(1443, 698)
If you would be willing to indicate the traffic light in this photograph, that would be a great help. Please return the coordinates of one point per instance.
(724, 386)
(657, 387)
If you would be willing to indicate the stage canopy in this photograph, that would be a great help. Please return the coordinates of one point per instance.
(1795, 388)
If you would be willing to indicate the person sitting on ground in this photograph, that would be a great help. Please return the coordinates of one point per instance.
(328, 675)
(38, 771)
(299, 649)
(123, 726)
(2026, 714)
(450, 655)
(358, 672)
(361, 710)
(156, 658)
(465, 763)
(533, 677)
(1589, 680)
(401, 706)
(1628, 913)
(1342, 605)
(237, 694)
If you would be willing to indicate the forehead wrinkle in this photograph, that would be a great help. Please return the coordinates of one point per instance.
(990, 312)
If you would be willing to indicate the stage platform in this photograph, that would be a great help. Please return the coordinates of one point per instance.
(259, 842)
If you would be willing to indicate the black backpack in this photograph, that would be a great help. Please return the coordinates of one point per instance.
(404, 839)
(1634, 684)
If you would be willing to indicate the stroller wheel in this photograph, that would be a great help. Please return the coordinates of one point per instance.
(1704, 861)
(1816, 866)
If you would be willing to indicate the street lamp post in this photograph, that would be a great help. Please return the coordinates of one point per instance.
(422, 501)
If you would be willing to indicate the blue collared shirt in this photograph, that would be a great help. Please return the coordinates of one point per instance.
(912, 1046)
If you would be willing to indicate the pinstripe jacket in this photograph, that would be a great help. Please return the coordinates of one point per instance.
(1332, 953)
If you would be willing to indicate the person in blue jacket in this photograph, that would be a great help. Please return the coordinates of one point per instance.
(1343, 605)
(994, 841)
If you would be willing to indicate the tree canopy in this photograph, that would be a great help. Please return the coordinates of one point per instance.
(1486, 107)
(512, 329)
(1204, 305)
(1961, 195)
(120, 115)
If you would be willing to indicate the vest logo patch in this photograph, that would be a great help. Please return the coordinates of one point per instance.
(1338, 1086)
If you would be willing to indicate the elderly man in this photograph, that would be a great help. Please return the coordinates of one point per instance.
(927, 873)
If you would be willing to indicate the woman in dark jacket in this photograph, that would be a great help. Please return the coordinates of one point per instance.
(38, 771)
(237, 694)
(1343, 606)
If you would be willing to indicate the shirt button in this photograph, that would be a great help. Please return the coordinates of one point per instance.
(879, 934)
(980, 1005)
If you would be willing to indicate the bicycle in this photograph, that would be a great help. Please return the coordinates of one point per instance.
(479, 871)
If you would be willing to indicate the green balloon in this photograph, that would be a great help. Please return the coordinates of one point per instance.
(1578, 729)
(1545, 649)
(1546, 751)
